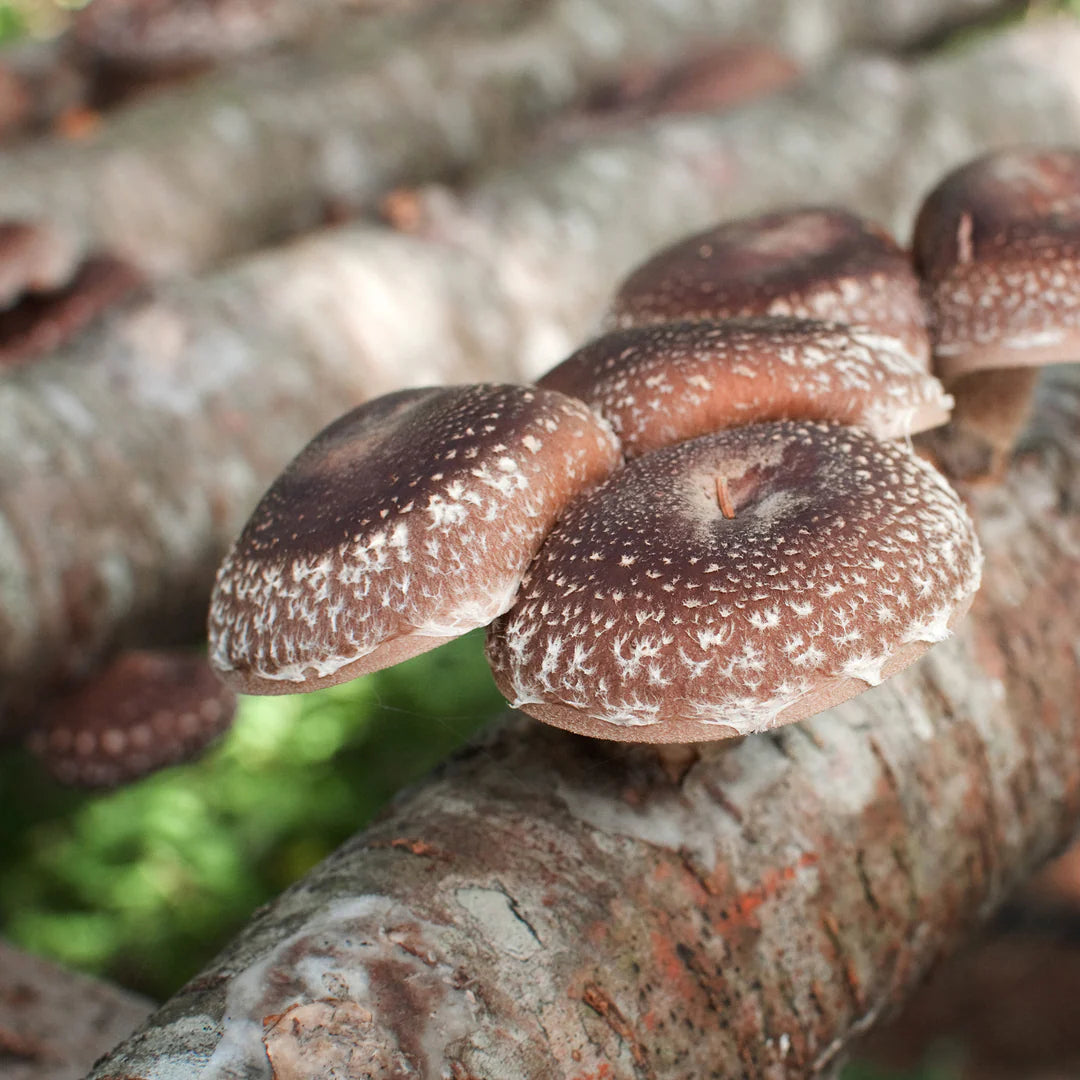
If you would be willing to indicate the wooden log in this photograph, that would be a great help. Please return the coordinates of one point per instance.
(133, 456)
(554, 906)
(242, 157)
(55, 1022)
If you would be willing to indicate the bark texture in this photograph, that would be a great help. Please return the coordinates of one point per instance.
(133, 457)
(237, 159)
(162, 34)
(552, 906)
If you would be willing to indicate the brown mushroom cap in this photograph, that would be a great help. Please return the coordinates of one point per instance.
(651, 616)
(405, 523)
(658, 385)
(146, 710)
(43, 321)
(812, 263)
(998, 243)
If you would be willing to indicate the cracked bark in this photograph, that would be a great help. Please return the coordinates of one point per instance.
(587, 916)
(134, 456)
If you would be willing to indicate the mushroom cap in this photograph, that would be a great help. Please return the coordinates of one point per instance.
(146, 710)
(405, 523)
(660, 384)
(998, 244)
(809, 262)
(650, 616)
(43, 321)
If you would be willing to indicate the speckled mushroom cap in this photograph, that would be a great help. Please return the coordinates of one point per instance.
(405, 523)
(658, 385)
(812, 262)
(998, 243)
(146, 710)
(651, 616)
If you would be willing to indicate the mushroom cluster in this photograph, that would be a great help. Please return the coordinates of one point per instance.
(998, 244)
(706, 522)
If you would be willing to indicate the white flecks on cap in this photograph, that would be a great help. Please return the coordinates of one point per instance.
(846, 556)
(660, 384)
(407, 522)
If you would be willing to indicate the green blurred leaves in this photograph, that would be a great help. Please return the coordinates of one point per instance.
(12, 23)
(143, 884)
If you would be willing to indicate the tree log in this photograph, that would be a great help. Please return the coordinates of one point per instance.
(554, 906)
(133, 457)
(239, 158)
(54, 1022)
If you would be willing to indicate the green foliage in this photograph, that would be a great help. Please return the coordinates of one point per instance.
(943, 1062)
(145, 883)
(12, 23)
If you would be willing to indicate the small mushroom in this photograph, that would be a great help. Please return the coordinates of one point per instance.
(660, 384)
(43, 321)
(812, 263)
(405, 523)
(998, 245)
(146, 710)
(736, 582)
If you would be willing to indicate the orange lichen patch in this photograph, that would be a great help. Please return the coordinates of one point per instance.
(419, 847)
(77, 122)
(602, 1072)
(666, 957)
(414, 847)
(603, 1006)
(742, 910)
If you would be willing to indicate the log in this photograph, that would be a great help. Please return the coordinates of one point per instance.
(55, 1022)
(133, 457)
(239, 158)
(554, 906)
(150, 36)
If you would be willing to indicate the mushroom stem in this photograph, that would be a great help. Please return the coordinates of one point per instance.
(992, 409)
(723, 497)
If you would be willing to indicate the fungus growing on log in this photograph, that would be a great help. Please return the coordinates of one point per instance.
(997, 242)
(813, 263)
(43, 321)
(33, 258)
(663, 383)
(747, 578)
(146, 710)
(406, 523)
(655, 613)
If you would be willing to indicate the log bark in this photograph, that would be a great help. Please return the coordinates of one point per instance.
(39, 81)
(554, 906)
(133, 457)
(239, 158)
(149, 35)
(55, 1022)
